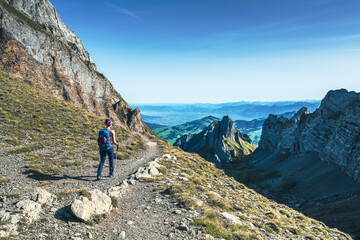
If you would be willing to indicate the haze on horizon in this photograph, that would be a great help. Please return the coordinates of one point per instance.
(212, 51)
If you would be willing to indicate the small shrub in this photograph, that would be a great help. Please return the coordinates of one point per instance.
(64, 193)
(114, 202)
(2, 223)
(85, 192)
(163, 170)
(3, 180)
(89, 223)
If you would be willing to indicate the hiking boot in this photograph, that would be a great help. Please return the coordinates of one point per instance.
(111, 176)
(98, 178)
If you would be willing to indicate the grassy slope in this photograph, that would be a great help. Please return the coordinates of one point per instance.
(32, 120)
(190, 178)
(174, 132)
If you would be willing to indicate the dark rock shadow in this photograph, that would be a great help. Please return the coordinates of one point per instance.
(64, 214)
(52, 177)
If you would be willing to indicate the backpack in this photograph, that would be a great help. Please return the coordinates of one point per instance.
(104, 139)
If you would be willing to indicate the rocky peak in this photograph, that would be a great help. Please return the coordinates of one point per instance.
(332, 131)
(38, 48)
(43, 12)
(301, 114)
(219, 143)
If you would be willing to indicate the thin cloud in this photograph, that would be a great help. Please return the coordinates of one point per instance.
(123, 11)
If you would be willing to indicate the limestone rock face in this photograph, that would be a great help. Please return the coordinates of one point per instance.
(332, 131)
(38, 48)
(219, 143)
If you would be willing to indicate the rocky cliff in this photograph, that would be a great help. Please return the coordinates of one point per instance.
(219, 143)
(38, 48)
(332, 131)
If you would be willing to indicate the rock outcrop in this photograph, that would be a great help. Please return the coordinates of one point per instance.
(332, 131)
(84, 208)
(219, 143)
(38, 48)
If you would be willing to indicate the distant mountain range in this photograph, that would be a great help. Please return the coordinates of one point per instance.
(175, 114)
(171, 133)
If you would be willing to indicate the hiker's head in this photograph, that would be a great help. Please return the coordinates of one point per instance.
(108, 123)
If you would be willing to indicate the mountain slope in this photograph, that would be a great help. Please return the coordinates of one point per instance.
(315, 159)
(174, 132)
(38, 48)
(219, 143)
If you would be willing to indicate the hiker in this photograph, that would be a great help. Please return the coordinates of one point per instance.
(106, 137)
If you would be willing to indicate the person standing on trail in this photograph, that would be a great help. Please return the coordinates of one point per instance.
(106, 137)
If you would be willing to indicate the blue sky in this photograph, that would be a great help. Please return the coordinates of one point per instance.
(187, 51)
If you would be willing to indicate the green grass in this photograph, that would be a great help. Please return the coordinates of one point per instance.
(278, 221)
(32, 120)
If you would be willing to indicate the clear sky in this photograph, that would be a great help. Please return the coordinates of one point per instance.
(187, 51)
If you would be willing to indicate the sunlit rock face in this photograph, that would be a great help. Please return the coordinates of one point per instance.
(333, 131)
(219, 143)
(37, 47)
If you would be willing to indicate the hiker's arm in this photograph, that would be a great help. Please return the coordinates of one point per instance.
(114, 138)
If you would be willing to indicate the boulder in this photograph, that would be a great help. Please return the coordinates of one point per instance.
(31, 210)
(83, 208)
(118, 191)
(42, 196)
(232, 219)
(101, 201)
(4, 216)
(28, 205)
(150, 171)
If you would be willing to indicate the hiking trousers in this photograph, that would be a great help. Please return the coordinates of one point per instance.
(103, 154)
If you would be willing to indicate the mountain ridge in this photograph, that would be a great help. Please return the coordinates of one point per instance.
(48, 55)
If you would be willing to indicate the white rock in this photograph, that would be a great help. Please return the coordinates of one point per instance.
(122, 235)
(42, 196)
(154, 164)
(28, 205)
(130, 222)
(198, 202)
(232, 219)
(83, 208)
(166, 156)
(153, 171)
(117, 191)
(4, 216)
(89, 235)
(101, 201)
(216, 194)
(15, 219)
(3, 234)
